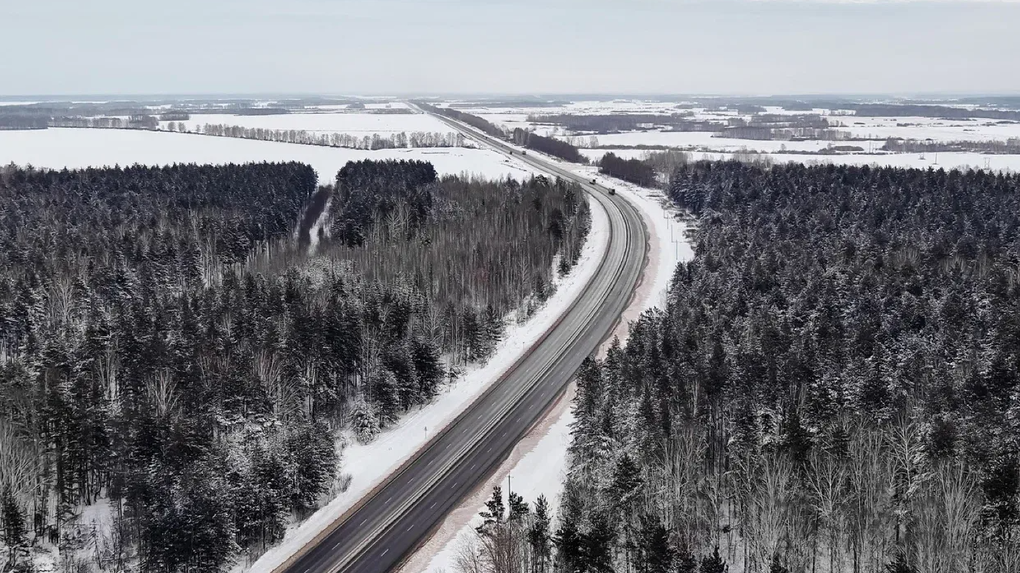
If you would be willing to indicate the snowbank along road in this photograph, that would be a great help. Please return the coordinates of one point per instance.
(392, 520)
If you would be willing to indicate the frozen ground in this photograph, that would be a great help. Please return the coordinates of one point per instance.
(76, 148)
(539, 463)
(929, 128)
(705, 139)
(915, 160)
(370, 463)
(353, 123)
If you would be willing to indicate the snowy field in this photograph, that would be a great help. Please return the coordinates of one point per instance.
(705, 139)
(371, 463)
(946, 161)
(928, 128)
(353, 123)
(77, 148)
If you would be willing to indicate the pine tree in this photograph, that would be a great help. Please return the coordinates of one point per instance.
(494, 513)
(569, 547)
(518, 507)
(713, 563)
(13, 523)
(539, 536)
(598, 544)
(655, 553)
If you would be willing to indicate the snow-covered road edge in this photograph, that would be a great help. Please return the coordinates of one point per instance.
(370, 464)
(538, 464)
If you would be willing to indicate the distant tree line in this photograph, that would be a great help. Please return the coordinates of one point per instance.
(635, 171)
(165, 350)
(762, 133)
(175, 116)
(935, 111)
(26, 121)
(896, 145)
(666, 162)
(548, 145)
(371, 142)
(22, 121)
(248, 110)
(832, 386)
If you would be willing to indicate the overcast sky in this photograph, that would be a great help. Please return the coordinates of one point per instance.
(525, 46)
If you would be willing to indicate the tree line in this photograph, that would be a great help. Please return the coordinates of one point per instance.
(832, 385)
(547, 145)
(636, 171)
(167, 352)
(1010, 146)
(372, 142)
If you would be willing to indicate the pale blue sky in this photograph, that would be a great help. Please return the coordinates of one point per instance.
(527, 46)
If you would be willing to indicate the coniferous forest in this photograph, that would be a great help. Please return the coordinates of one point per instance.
(833, 385)
(169, 349)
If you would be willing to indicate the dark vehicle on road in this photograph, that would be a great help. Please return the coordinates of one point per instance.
(612, 191)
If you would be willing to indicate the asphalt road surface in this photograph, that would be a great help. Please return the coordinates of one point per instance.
(396, 517)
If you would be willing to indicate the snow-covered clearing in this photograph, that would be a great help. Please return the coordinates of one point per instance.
(923, 128)
(706, 139)
(538, 464)
(371, 463)
(353, 123)
(77, 148)
(946, 161)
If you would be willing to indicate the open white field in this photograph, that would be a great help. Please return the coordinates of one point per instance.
(928, 128)
(946, 161)
(700, 139)
(337, 122)
(76, 148)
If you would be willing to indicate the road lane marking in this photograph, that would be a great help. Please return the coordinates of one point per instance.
(385, 551)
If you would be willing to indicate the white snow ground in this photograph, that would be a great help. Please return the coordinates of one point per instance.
(371, 463)
(945, 161)
(77, 148)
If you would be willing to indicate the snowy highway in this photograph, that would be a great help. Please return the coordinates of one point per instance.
(392, 520)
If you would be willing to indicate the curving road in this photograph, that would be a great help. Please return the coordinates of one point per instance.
(391, 521)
